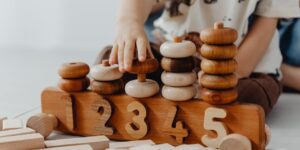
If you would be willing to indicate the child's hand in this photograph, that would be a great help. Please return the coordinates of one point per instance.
(130, 40)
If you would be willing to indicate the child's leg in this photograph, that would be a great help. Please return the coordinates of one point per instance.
(291, 76)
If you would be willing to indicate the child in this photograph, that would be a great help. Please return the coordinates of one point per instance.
(259, 56)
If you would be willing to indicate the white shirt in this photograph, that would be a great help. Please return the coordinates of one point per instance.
(235, 14)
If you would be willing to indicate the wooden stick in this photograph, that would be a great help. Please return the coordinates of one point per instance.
(16, 132)
(24, 142)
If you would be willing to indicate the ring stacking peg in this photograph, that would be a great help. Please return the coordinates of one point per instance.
(142, 87)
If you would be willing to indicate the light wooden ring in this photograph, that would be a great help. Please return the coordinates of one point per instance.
(107, 87)
(178, 93)
(178, 50)
(178, 79)
(148, 66)
(178, 65)
(75, 85)
(218, 67)
(218, 97)
(73, 70)
(218, 82)
(106, 73)
(218, 52)
(235, 142)
(139, 89)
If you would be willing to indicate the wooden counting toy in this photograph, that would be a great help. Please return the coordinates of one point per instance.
(42, 123)
(142, 87)
(178, 64)
(218, 81)
(73, 77)
(235, 142)
(107, 78)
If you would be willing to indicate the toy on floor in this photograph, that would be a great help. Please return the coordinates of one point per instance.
(178, 79)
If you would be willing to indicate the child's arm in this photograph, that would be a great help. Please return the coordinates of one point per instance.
(130, 33)
(255, 44)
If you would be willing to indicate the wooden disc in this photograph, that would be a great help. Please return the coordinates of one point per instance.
(102, 72)
(218, 66)
(178, 79)
(148, 66)
(107, 87)
(178, 50)
(219, 35)
(235, 142)
(74, 85)
(218, 52)
(42, 123)
(178, 65)
(218, 97)
(139, 89)
(73, 70)
(218, 82)
(178, 93)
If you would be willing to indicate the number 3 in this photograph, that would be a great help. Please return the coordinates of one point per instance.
(138, 128)
(209, 124)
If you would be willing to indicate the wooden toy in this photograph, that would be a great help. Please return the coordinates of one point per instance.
(96, 142)
(268, 134)
(96, 115)
(235, 142)
(144, 147)
(178, 79)
(180, 49)
(10, 124)
(16, 132)
(107, 87)
(194, 37)
(22, 142)
(218, 81)
(219, 35)
(1, 122)
(74, 85)
(165, 146)
(106, 72)
(126, 145)
(189, 147)
(42, 123)
(75, 147)
(178, 65)
(142, 87)
(178, 93)
(218, 52)
(73, 70)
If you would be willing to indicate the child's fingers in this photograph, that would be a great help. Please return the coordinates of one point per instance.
(121, 56)
(149, 51)
(113, 57)
(141, 49)
(128, 54)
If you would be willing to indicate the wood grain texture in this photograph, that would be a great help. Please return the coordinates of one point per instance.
(74, 85)
(218, 35)
(148, 66)
(219, 97)
(107, 87)
(73, 70)
(218, 52)
(245, 119)
(218, 67)
(235, 142)
(178, 65)
(218, 82)
(42, 123)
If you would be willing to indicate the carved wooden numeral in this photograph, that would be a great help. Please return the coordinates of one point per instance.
(178, 131)
(217, 126)
(104, 109)
(138, 128)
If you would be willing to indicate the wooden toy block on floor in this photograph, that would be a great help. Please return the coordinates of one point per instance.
(22, 142)
(1, 122)
(10, 124)
(16, 132)
(76, 147)
(95, 115)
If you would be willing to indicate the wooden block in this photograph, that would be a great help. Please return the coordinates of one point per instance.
(235, 142)
(76, 147)
(144, 147)
(244, 119)
(10, 124)
(96, 142)
(165, 146)
(189, 147)
(126, 145)
(22, 142)
(16, 132)
(1, 122)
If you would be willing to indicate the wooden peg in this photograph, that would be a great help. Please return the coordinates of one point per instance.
(178, 65)
(73, 70)
(126, 145)
(74, 147)
(107, 87)
(235, 142)
(218, 82)
(218, 67)
(74, 85)
(218, 52)
(218, 97)
(42, 123)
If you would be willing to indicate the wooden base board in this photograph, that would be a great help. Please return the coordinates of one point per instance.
(94, 114)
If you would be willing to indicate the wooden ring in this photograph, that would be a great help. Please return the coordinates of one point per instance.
(139, 89)
(75, 85)
(218, 82)
(148, 66)
(107, 87)
(178, 93)
(178, 79)
(218, 52)
(178, 65)
(106, 73)
(218, 67)
(73, 70)
(178, 50)
(218, 97)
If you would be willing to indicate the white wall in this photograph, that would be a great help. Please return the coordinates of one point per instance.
(56, 24)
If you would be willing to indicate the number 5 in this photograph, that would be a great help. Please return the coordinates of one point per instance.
(219, 127)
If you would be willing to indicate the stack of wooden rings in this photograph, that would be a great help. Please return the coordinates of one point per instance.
(73, 77)
(178, 64)
(218, 51)
(142, 87)
(106, 78)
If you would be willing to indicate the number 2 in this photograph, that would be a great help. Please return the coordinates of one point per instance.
(104, 109)
(219, 127)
